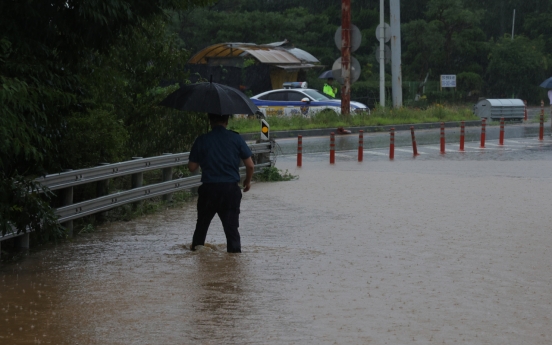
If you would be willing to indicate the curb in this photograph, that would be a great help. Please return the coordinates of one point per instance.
(366, 129)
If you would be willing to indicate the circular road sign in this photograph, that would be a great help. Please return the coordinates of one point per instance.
(386, 32)
(356, 38)
(355, 70)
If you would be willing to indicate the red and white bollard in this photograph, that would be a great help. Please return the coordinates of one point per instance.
(501, 137)
(299, 151)
(442, 137)
(332, 148)
(525, 111)
(360, 145)
(541, 127)
(414, 147)
(462, 135)
(392, 143)
(483, 125)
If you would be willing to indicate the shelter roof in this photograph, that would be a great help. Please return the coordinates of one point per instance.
(277, 53)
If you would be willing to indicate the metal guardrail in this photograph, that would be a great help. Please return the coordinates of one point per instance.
(77, 177)
(72, 178)
(104, 203)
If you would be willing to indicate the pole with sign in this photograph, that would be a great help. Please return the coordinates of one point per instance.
(265, 131)
(447, 80)
(345, 56)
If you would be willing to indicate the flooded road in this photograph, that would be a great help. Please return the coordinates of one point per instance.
(442, 249)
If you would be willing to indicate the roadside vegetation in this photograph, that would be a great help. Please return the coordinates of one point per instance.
(273, 174)
(380, 116)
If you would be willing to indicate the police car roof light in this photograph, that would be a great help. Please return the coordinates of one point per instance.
(295, 85)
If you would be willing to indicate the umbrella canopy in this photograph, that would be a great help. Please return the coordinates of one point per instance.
(326, 75)
(210, 98)
(547, 83)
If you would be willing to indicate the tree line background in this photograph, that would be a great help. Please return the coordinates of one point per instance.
(469, 38)
(80, 80)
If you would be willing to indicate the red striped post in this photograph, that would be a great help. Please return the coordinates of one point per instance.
(414, 147)
(541, 127)
(332, 148)
(525, 112)
(299, 151)
(483, 124)
(442, 137)
(462, 135)
(501, 138)
(392, 143)
(360, 145)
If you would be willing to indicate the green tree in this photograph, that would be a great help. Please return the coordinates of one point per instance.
(42, 47)
(515, 66)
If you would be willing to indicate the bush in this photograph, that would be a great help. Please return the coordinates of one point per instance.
(273, 174)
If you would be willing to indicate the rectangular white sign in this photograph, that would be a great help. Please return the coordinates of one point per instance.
(448, 80)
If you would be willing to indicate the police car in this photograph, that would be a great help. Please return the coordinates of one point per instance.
(296, 99)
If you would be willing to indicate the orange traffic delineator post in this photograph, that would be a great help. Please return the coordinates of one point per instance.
(525, 111)
(332, 148)
(462, 135)
(392, 143)
(442, 137)
(360, 145)
(541, 127)
(299, 151)
(501, 138)
(414, 147)
(483, 125)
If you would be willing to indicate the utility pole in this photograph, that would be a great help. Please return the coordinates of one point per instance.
(382, 55)
(346, 56)
(396, 65)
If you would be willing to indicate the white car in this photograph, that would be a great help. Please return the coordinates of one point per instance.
(296, 99)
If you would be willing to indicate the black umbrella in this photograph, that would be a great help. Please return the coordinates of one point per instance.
(210, 98)
(547, 83)
(326, 75)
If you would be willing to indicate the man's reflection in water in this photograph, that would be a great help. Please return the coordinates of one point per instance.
(222, 303)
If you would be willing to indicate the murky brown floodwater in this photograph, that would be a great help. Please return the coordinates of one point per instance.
(406, 252)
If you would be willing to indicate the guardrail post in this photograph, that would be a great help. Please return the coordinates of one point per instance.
(525, 111)
(167, 176)
(483, 124)
(102, 188)
(462, 135)
(23, 241)
(137, 180)
(66, 198)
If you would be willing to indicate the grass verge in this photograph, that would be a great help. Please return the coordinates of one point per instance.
(379, 117)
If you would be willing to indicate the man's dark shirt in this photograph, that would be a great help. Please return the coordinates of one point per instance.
(218, 153)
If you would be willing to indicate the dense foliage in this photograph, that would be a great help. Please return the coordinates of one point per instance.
(53, 113)
(461, 37)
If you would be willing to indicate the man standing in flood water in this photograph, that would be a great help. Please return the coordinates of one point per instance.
(218, 153)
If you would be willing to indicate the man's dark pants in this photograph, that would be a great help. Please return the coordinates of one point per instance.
(223, 199)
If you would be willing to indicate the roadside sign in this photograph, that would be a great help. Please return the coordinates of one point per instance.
(356, 37)
(265, 130)
(386, 32)
(448, 80)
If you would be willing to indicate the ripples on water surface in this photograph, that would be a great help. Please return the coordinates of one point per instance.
(404, 252)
